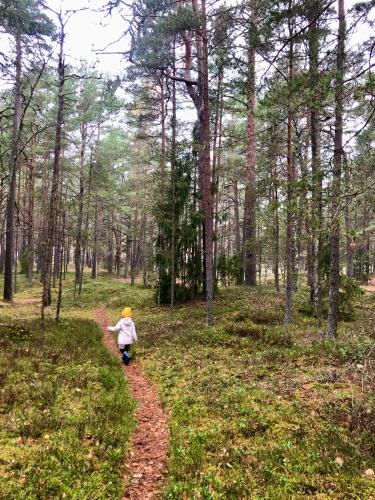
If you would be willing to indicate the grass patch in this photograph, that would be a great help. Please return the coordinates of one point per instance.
(66, 414)
(258, 409)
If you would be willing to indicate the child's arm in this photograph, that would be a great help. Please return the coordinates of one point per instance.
(114, 328)
(135, 338)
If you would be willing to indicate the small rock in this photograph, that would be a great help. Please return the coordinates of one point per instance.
(369, 473)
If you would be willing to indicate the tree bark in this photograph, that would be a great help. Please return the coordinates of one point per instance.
(334, 281)
(200, 99)
(52, 211)
(249, 224)
(10, 211)
(173, 183)
(348, 237)
(276, 235)
(315, 241)
(78, 242)
(289, 246)
(216, 160)
(30, 215)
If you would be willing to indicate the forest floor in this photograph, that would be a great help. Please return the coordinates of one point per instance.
(256, 409)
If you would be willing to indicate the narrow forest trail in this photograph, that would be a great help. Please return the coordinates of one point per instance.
(370, 287)
(147, 460)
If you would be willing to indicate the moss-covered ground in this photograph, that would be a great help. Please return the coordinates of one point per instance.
(258, 409)
(66, 413)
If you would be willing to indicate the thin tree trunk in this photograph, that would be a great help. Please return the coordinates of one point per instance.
(95, 242)
(315, 240)
(289, 246)
(334, 281)
(17, 230)
(348, 237)
(133, 258)
(30, 215)
(43, 216)
(52, 211)
(216, 160)
(173, 182)
(60, 245)
(249, 224)
(276, 234)
(236, 216)
(10, 212)
(78, 243)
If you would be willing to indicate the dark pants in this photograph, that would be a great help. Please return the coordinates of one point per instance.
(126, 348)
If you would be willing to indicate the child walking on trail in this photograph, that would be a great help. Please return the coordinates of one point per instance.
(126, 334)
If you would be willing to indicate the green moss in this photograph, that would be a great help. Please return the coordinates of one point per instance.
(66, 414)
(248, 402)
(258, 409)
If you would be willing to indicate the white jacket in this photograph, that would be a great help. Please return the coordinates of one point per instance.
(126, 332)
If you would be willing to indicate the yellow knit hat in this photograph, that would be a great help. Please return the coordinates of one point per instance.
(126, 313)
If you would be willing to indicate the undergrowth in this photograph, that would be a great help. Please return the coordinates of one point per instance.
(65, 412)
(260, 410)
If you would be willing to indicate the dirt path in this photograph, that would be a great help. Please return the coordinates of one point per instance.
(370, 287)
(147, 461)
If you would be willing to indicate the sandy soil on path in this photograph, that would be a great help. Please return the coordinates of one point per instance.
(147, 462)
(370, 287)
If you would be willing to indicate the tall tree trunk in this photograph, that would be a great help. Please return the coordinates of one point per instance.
(78, 243)
(10, 211)
(315, 240)
(348, 237)
(173, 183)
(52, 210)
(95, 242)
(276, 233)
(133, 255)
(249, 223)
(216, 159)
(236, 216)
(17, 230)
(200, 98)
(30, 215)
(204, 155)
(334, 281)
(146, 251)
(61, 243)
(43, 215)
(289, 246)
